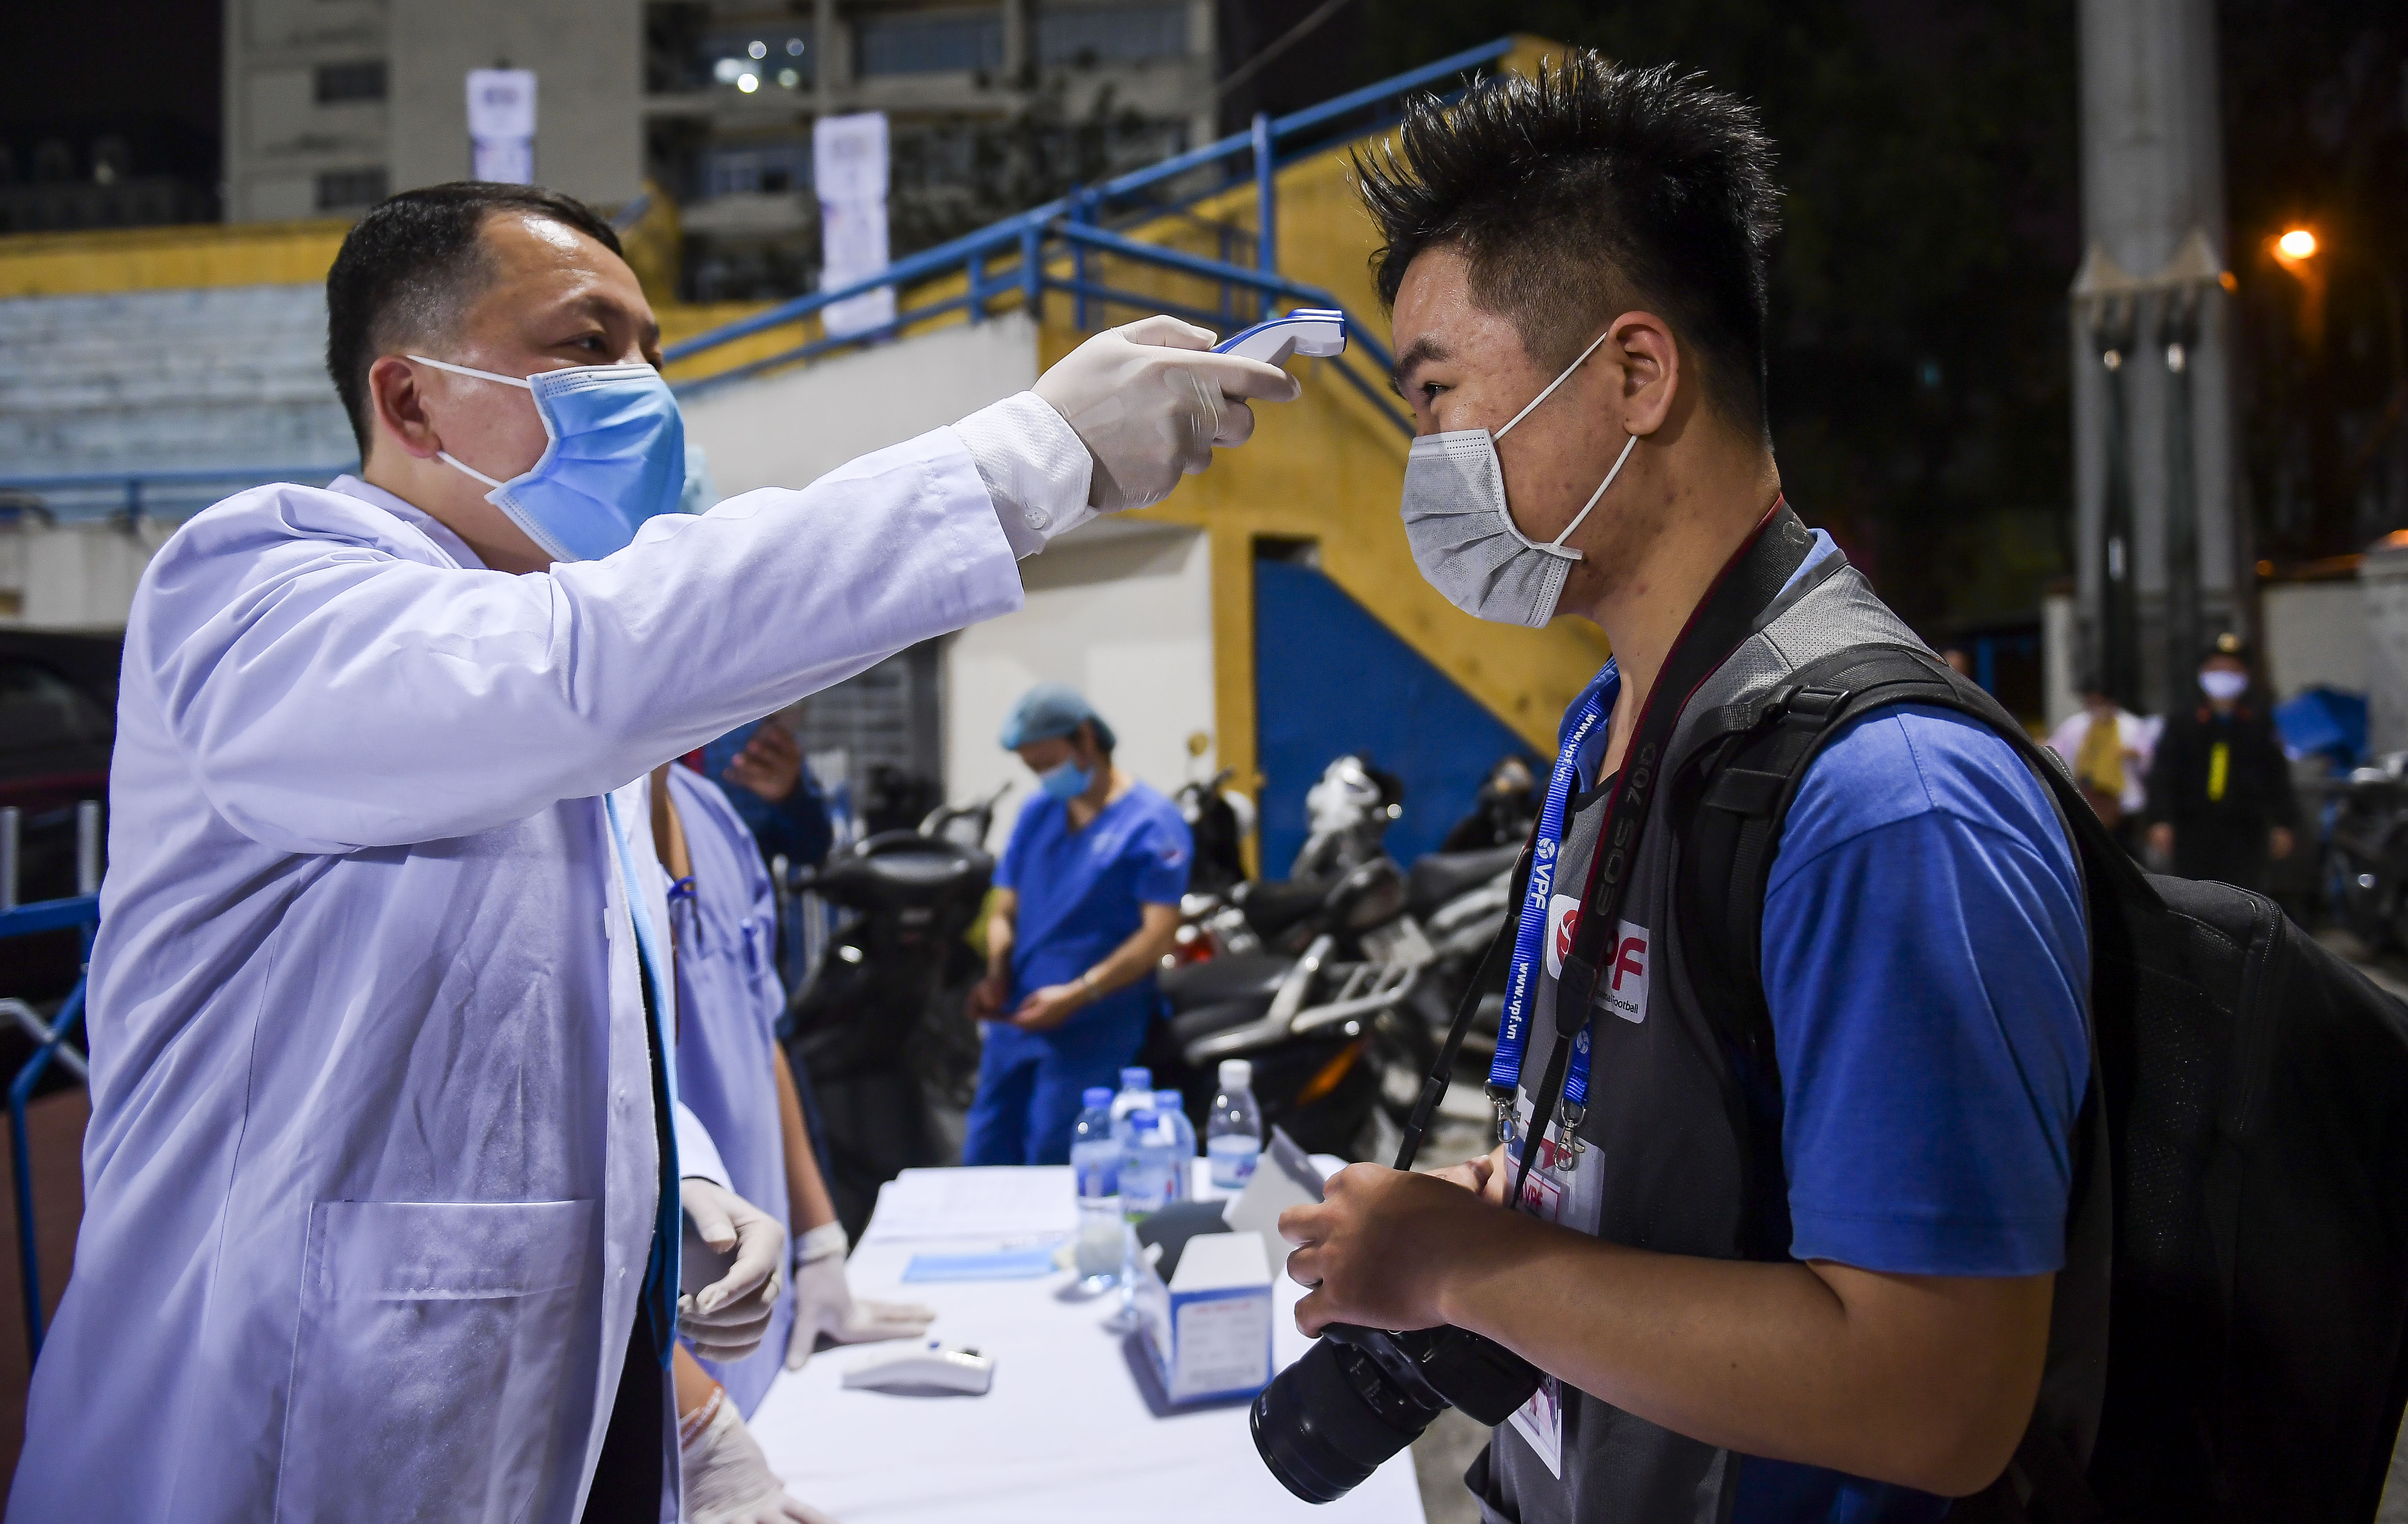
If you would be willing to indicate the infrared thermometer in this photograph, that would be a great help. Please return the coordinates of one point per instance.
(1316, 332)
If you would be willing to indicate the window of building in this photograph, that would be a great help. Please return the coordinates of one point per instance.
(771, 168)
(361, 80)
(1090, 35)
(935, 42)
(346, 190)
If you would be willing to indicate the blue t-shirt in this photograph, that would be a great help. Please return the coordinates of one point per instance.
(1080, 892)
(1926, 963)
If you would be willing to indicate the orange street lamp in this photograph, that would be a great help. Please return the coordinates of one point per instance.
(2296, 248)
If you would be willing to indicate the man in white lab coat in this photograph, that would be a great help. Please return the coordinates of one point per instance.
(374, 1174)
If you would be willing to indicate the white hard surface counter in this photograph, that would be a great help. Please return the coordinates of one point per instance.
(1066, 1435)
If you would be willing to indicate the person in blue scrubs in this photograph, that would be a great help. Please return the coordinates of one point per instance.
(1086, 904)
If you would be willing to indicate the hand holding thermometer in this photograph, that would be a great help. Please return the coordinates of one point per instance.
(1317, 332)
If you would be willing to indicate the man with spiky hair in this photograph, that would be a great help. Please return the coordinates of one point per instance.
(1782, 1245)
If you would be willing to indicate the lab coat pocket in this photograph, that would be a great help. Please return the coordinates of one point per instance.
(429, 1363)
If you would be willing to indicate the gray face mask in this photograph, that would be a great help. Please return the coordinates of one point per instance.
(1462, 531)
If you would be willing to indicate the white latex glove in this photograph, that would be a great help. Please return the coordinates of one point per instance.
(728, 1481)
(1149, 400)
(728, 1317)
(824, 1303)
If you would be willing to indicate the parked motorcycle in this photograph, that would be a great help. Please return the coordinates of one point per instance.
(1218, 822)
(1337, 1060)
(1462, 901)
(878, 1026)
(2366, 853)
(1502, 812)
(1347, 813)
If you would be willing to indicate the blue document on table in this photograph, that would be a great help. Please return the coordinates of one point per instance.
(997, 1265)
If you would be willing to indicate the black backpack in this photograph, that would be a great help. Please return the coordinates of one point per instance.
(2230, 1335)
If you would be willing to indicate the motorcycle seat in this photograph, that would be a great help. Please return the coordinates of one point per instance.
(902, 869)
(1442, 875)
(1232, 976)
(1273, 905)
(1210, 1020)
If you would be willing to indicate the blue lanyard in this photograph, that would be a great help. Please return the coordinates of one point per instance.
(1530, 936)
(660, 1270)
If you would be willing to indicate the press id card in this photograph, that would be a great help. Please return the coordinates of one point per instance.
(1569, 1197)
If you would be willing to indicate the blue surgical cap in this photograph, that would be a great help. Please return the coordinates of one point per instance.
(1051, 709)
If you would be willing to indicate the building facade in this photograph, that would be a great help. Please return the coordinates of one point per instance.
(333, 104)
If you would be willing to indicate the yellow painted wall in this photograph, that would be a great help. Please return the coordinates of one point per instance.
(168, 258)
(280, 253)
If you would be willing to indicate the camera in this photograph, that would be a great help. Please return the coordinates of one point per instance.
(1360, 1395)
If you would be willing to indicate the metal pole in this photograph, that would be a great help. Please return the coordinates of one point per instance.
(87, 846)
(2119, 655)
(2180, 330)
(11, 821)
(1266, 206)
(1079, 261)
(1032, 271)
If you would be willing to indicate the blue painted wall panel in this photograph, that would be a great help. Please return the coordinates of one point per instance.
(1331, 679)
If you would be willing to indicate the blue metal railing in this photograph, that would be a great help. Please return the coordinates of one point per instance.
(132, 494)
(1071, 225)
(83, 912)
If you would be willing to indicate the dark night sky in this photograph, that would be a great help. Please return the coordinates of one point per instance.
(61, 64)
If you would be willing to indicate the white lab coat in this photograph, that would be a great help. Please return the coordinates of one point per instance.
(371, 1171)
(729, 1000)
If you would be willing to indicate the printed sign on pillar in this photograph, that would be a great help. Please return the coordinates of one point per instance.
(501, 125)
(849, 169)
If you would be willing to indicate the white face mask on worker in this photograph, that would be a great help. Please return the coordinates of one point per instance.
(2224, 687)
(1462, 530)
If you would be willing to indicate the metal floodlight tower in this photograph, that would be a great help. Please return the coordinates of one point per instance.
(2164, 544)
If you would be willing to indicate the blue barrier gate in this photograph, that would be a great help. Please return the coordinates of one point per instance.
(83, 912)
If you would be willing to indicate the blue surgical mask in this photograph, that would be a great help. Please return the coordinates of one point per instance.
(1065, 781)
(616, 457)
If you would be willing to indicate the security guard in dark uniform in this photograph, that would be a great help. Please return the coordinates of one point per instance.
(2220, 797)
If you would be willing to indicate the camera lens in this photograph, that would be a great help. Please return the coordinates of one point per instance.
(1318, 1429)
(1359, 1396)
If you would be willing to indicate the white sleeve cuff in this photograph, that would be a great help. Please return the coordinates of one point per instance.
(828, 1237)
(1035, 467)
(697, 1155)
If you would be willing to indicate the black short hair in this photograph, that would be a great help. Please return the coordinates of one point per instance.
(407, 268)
(1584, 190)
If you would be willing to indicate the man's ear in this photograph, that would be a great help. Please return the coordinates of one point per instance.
(398, 407)
(1652, 380)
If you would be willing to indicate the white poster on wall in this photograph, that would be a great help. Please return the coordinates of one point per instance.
(501, 125)
(849, 169)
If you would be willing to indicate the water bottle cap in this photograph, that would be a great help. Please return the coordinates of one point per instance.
(1237, 1074)
(1168, 1100)
(1136, 1079)
(1097, 1097)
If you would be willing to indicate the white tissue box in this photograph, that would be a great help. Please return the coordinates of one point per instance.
(1210, 1329)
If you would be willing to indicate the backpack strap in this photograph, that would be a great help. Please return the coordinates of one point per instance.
(1742, 776)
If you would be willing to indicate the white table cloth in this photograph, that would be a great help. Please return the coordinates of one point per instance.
(1066, 1437)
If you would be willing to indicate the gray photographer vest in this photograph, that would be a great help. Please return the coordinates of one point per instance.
(1682, 1121)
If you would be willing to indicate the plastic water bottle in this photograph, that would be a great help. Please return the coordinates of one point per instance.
(1170, 1114)
(1136, 1092)
(1147, 1143)
(1233, 1134)
(1096, 1163)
